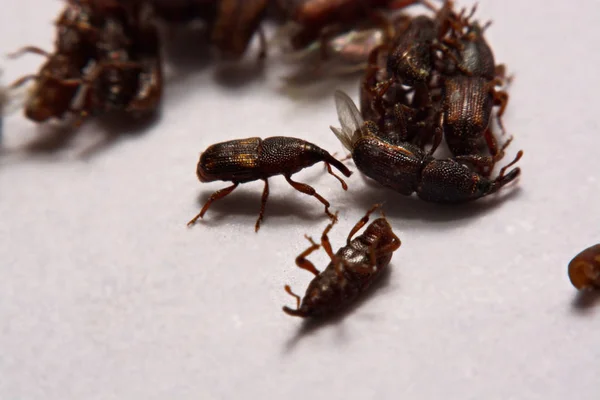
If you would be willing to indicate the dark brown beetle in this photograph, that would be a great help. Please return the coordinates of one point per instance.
(413, 53)
(584, 269)
(246, 160)
(469, 94)
(351, 271)
(406, 168)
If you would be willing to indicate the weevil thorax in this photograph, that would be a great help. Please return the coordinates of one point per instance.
(283, 154)
(447, 181)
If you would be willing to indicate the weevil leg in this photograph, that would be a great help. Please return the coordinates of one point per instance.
(484, 164)
(446, 51)
(28, 49)
(501, 77)
(301, 260)
(288, 289)
(219, 194)
(309, 190)
(500, 99)
(378, 93)
(362, 222)
(492, 144)
(513, 162)
(438, 132)
(330, 171)
(293, 312)
(22, 80)
(391, 247)
(263, 204)
(325, 239)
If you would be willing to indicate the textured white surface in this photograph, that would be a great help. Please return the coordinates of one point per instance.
(104, 293)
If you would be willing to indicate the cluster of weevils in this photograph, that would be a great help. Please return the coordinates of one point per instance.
(107, 55)
(429, 79)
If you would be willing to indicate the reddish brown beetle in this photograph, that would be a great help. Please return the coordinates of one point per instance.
(246, 160)
(351, 271)
(584, 268)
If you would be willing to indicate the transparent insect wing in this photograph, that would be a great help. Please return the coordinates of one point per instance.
(348, 114)
(350, 118)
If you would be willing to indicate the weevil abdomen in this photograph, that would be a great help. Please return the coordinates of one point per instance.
(467, 106)
(397, 167)
(234, 160)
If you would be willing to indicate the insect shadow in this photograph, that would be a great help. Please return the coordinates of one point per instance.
(244, 202)
(54, 138)
(585, 300)
(310, 326)
(411, 208)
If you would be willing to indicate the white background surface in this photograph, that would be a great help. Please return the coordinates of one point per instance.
(105, 294)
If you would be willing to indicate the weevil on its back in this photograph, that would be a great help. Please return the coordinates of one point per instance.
(351, 271)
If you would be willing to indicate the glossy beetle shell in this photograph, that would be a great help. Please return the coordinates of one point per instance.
(328, 292)
(388, 164)
(232, 160)
(467, 104)
(584, 268)
(411, 58)
(250, 159)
